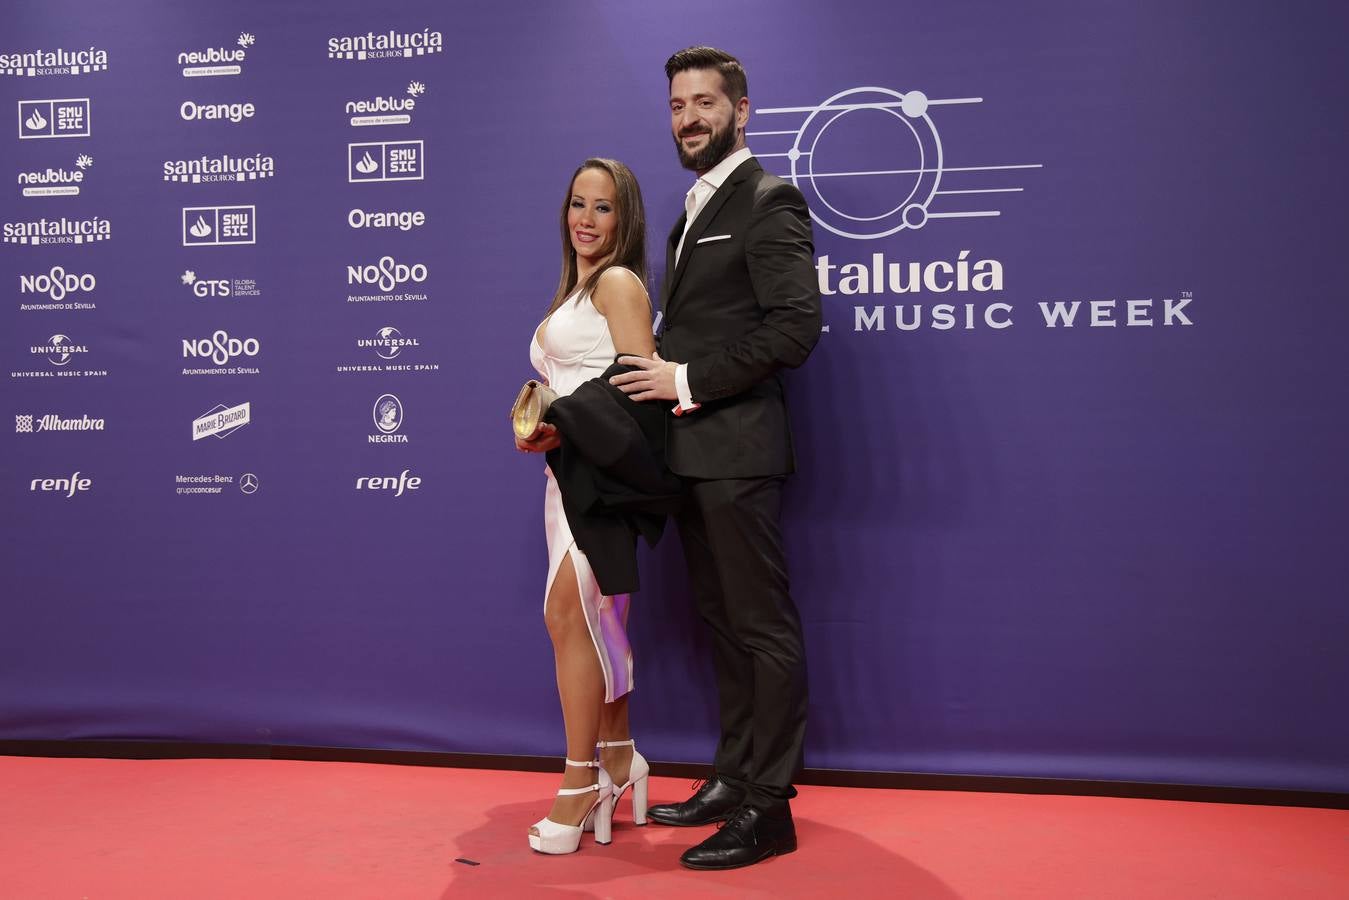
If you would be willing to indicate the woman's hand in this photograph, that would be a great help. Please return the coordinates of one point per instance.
(544, 438)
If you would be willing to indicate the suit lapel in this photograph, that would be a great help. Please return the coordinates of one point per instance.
(671, 243)
(705, 217)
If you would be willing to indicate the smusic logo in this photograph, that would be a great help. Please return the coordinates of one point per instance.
(31, 63)
(386, 110)
(388, 416)
(221, 421)
(57, 231)
(219, 169)
(385, 161)
(387, 45)
(215, 226)
(53, 118)
(216, 60)
(56, 182)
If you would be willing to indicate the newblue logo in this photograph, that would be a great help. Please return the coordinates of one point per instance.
(386, 110)
(386, 161)
(54, 118)
(56, 182)
(216, 60)
(215, 226)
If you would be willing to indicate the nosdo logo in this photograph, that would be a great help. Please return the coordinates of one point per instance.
(54, 118)
(29, 63)
(219, 169)
(216, 60)
(56, 182)
(395, 483)
(58, 350)
(387, 45)
(386, 274)
(386, 110)
(403, 220)
(220, 348)
(56, 283)
(57, 231)
(68, 486)
(209, 226)
(192, 111)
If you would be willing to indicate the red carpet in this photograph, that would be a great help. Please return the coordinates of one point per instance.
(201, 829)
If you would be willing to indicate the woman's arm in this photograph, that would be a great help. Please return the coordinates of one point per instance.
(623, 302)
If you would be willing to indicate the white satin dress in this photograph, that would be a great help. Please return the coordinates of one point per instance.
(577, 347)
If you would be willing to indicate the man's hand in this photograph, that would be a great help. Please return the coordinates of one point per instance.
(653, 380)
(541, 441)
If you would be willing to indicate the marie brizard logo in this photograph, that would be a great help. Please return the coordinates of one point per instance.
(54, 118)
(208, 226)
(31, 63)
(221, 421)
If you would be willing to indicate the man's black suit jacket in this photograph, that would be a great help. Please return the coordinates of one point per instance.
(742, 303)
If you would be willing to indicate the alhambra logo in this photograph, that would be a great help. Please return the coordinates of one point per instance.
(57, 231)
(32, 63)
(219, 169)
(52, 182)
(36, 424)
(386, 45)
(216, 60)
(387, 110)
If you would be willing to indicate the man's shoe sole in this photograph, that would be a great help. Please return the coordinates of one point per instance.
(723, 818)
(777, 851)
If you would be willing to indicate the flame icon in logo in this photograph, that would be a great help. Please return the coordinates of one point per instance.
(366, 165)
(35, 122)
(200, 229)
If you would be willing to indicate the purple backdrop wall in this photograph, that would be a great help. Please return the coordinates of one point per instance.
(1109, 550)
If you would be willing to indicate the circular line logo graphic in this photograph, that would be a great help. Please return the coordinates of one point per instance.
(248, 483)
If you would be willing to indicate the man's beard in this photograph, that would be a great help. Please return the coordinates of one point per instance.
(717, 148)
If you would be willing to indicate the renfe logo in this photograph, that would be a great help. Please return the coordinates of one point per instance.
(389, 483)
(68, 486)
(386, 161)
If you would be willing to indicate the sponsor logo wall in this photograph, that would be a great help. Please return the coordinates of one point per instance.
(270, 281)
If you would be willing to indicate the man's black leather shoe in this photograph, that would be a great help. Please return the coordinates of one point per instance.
(749, 835)
(713, 802)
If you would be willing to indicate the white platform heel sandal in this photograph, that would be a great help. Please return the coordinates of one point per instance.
(638, 779)
(556, 838)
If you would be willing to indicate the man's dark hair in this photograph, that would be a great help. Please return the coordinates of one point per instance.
(732, 73)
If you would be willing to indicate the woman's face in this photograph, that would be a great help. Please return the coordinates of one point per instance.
(592, 215)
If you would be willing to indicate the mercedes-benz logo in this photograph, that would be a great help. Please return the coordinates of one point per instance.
(248, 483)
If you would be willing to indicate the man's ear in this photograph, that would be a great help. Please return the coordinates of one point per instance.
(742, 112)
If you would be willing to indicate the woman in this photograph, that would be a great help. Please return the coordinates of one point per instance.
(600, 309)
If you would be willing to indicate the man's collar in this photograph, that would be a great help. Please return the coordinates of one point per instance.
(717, 175)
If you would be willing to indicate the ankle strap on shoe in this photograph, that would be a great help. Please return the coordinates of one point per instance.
(605, 744)
(572, 792)
(588, 764)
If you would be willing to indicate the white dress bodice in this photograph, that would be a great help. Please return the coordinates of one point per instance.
(576, 345)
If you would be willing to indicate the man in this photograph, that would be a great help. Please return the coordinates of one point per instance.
(740, 303)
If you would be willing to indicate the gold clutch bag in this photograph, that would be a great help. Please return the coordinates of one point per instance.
(527, 411)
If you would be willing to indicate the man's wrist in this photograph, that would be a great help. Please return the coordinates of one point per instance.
(686, 402)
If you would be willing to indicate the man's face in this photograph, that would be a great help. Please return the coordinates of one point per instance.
(703, 120)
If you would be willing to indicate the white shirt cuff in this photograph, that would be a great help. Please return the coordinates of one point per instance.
(686, 403)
